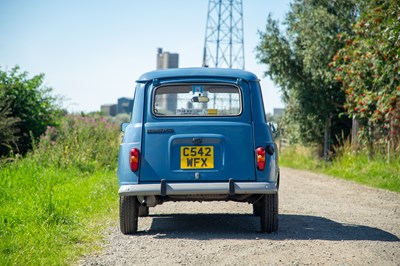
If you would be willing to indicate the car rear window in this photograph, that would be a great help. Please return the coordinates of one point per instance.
(197, 100)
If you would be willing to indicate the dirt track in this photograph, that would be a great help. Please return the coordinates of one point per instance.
(322, 221)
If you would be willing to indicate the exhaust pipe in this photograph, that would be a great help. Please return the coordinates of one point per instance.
(144, 201)
(147, 201)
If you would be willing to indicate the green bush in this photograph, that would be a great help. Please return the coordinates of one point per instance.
(29, 105)
(8, 128)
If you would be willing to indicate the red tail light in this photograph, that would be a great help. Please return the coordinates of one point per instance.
(260, 158)
(134, 159)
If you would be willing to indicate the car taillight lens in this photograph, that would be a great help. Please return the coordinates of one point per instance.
(134, 159)
(260, 157)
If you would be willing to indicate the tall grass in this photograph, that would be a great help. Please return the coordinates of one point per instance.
(359, 166)
(347, 164)
(54, 202)
(300, 157)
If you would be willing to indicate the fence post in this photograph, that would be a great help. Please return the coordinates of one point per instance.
(354, 134)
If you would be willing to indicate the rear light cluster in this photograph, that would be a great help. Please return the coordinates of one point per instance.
(134, 159)
(260, 156)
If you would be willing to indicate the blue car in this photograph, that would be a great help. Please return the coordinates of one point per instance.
(197, 134)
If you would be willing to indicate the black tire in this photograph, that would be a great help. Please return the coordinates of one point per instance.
(143, 211)
(257, 209)
(128, 214)
(269, 213)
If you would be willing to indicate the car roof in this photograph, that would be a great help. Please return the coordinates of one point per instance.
(197, 72)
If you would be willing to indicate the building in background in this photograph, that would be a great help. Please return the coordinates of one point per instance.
(124, 105)
(278, 111)
(109, 109)
(166, 59)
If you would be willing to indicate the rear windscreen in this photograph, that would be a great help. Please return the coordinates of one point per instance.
(197, 100)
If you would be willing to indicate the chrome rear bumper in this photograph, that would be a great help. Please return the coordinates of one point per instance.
(229, 188)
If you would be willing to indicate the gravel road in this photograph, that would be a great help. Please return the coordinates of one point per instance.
(322, 221)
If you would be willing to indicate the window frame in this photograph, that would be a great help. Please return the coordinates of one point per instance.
(239, 89)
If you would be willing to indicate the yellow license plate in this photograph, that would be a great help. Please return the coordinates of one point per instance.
(197, 157)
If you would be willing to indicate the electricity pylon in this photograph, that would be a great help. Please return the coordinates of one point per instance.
(223, 44)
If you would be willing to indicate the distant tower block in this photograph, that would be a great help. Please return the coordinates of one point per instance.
(166, 59)
(224, 45)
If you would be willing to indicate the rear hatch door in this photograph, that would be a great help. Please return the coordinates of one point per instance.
(198, 132)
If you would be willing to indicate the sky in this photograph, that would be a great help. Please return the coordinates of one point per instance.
(93, 51)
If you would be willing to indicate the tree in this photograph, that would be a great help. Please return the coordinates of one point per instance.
(368, 67)
(8, 127)
(298, 62)
(27, 108)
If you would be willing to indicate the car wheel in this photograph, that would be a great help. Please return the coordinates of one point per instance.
(128, 214)
(269, 213)
(257, 209)
(143, 211)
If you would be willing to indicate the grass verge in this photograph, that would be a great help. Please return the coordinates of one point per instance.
(50, 216)
(357, 167)
(55, 202)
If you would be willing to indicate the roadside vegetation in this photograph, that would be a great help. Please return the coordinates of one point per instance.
(57, 190)
(55, 201)
(27, 108)
(346, 164)
(338, 66)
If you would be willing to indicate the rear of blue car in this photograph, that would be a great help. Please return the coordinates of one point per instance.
(197, 135)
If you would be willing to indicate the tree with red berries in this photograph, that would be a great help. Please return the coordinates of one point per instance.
(368, 67)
